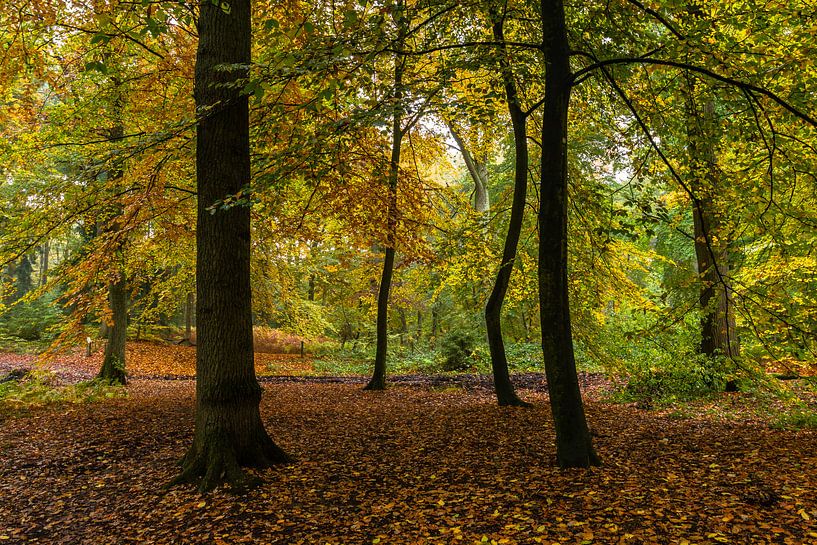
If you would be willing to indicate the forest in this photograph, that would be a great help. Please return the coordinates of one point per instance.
(408, 271)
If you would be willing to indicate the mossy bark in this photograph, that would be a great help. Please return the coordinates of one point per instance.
(574, 447)
(113, 363)
(229, 432)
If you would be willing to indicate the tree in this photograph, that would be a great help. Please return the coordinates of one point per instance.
(503, 386)
(378, 380)
(574, 447)
(113, 362)
(718, 334)
(228, 428)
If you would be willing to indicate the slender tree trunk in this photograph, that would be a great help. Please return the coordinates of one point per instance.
(45, 250)
(478, 170)
(311, 290)
(228, 432)
(503, 387)
(573, 444)
(189, 310)
(718, 335)
(378, 380)
(113, 364)
(23, 271)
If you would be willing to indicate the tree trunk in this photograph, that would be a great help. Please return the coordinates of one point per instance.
(478, 170)
(23, 271)
(718, 335)
(378, 380)
(189, 310)
(45, 250)
(228, 429)
(113, 364)
(573, 444)
(503, 387)
(116, 333)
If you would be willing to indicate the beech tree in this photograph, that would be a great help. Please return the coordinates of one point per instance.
(228, 428)
(503, 387)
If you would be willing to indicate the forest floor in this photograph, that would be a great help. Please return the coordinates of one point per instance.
(421, 462)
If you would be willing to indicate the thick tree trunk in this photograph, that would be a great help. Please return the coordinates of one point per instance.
(113, 364)
(573, 444)
(503, 387)
(718, 335)
(116, 332)
(378, 380)
(228, 428)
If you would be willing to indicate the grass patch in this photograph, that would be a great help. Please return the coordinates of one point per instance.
(797, 419)
(39, 388)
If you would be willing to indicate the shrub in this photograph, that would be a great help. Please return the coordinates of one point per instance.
(457, 349)
(32, 320)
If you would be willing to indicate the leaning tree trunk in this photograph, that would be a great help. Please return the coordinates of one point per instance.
(478, 170)
(378, 380)
(113, 364)
(718, 335)
(573, 444)
(503, 386)
(229, 432)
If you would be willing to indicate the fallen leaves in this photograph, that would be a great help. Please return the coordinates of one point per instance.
(408, 465)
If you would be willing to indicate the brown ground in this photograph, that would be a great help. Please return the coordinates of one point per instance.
(405, 466)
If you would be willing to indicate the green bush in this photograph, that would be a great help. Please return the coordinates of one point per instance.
(457, 348)
(32, 320)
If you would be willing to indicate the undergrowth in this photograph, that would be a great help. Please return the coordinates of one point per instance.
(39, 388)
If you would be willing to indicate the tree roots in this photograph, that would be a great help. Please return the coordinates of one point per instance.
(215, 463)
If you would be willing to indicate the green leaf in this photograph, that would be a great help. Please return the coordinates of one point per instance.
(100, 38)
(97, 66)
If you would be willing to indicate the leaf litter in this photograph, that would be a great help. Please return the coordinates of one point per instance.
(410, 465)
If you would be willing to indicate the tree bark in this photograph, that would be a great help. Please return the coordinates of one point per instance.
(478, 170)
(116, 333)
(45, 250)
(228, 429)
(573, 443)
(718, 335)
(113, 363)
(23, 270)
(378, 380)
(503, 387)
(189, 310)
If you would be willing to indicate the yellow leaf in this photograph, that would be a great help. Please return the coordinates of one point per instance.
(201, 504)
(803, 514)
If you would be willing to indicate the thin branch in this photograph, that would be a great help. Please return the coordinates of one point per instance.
(710, 74)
